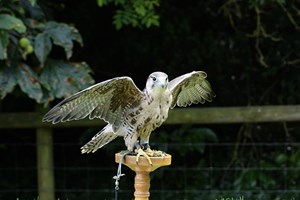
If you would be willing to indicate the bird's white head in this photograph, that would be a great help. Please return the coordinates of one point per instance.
(157, 82)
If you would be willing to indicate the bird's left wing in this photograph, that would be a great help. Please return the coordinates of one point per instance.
(108, 100)
(190, 88)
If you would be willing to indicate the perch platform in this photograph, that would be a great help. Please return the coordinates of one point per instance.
(142, 172)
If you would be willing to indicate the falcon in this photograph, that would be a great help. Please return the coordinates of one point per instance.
(131, 113)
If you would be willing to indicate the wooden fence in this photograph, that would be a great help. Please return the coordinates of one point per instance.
(218, 115)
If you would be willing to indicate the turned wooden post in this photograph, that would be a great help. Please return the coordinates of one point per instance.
(142, 172)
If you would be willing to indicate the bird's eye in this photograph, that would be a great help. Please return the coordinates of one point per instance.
(154, 78)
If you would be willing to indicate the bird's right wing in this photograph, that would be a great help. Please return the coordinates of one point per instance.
(107, 100)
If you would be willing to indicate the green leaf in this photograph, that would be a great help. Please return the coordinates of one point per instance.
(63, 35)
(140, 10)
(3, 44)
(9, 22)
(150, 19)
(42, 46)
(7, 81)
(65, 78)
(119, 2)
(3, 54)
(33, 10)
(155, 20)
(32, 2)
(29, 82)
(75, 35)
(100, 3)
(118, 20)
(281, 158)
(208, 134)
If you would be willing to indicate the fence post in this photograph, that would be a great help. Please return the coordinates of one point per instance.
(45, 170)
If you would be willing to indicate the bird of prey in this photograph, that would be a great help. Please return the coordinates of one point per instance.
(130, 112)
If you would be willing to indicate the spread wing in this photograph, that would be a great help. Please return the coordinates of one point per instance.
(190, 88)
(107, 100)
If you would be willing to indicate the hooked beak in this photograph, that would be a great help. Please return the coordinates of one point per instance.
(163, 85)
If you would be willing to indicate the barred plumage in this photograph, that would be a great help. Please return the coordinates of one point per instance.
(130, 112)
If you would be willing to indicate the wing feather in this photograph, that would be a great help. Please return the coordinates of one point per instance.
(107, 100)
(190, 88)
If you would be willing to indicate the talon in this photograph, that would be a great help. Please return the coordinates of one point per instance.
(149, 152)
(157, 153)
(140, 153)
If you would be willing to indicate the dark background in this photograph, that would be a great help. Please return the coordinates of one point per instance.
(253, 160)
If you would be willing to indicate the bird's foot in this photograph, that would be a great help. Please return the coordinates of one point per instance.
(155, 153)
(152, 153)
(140, 152)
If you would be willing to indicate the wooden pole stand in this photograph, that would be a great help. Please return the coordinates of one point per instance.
(142, 172)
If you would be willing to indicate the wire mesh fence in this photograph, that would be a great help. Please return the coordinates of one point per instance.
(202, 168)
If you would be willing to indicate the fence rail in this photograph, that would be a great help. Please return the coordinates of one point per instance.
(215, 115)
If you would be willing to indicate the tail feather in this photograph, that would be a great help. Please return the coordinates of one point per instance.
(103, 137)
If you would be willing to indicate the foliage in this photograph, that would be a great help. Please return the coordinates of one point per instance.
(250, 51)
(26, 42)
(189, 136)
(235, 12)
(136, 13)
